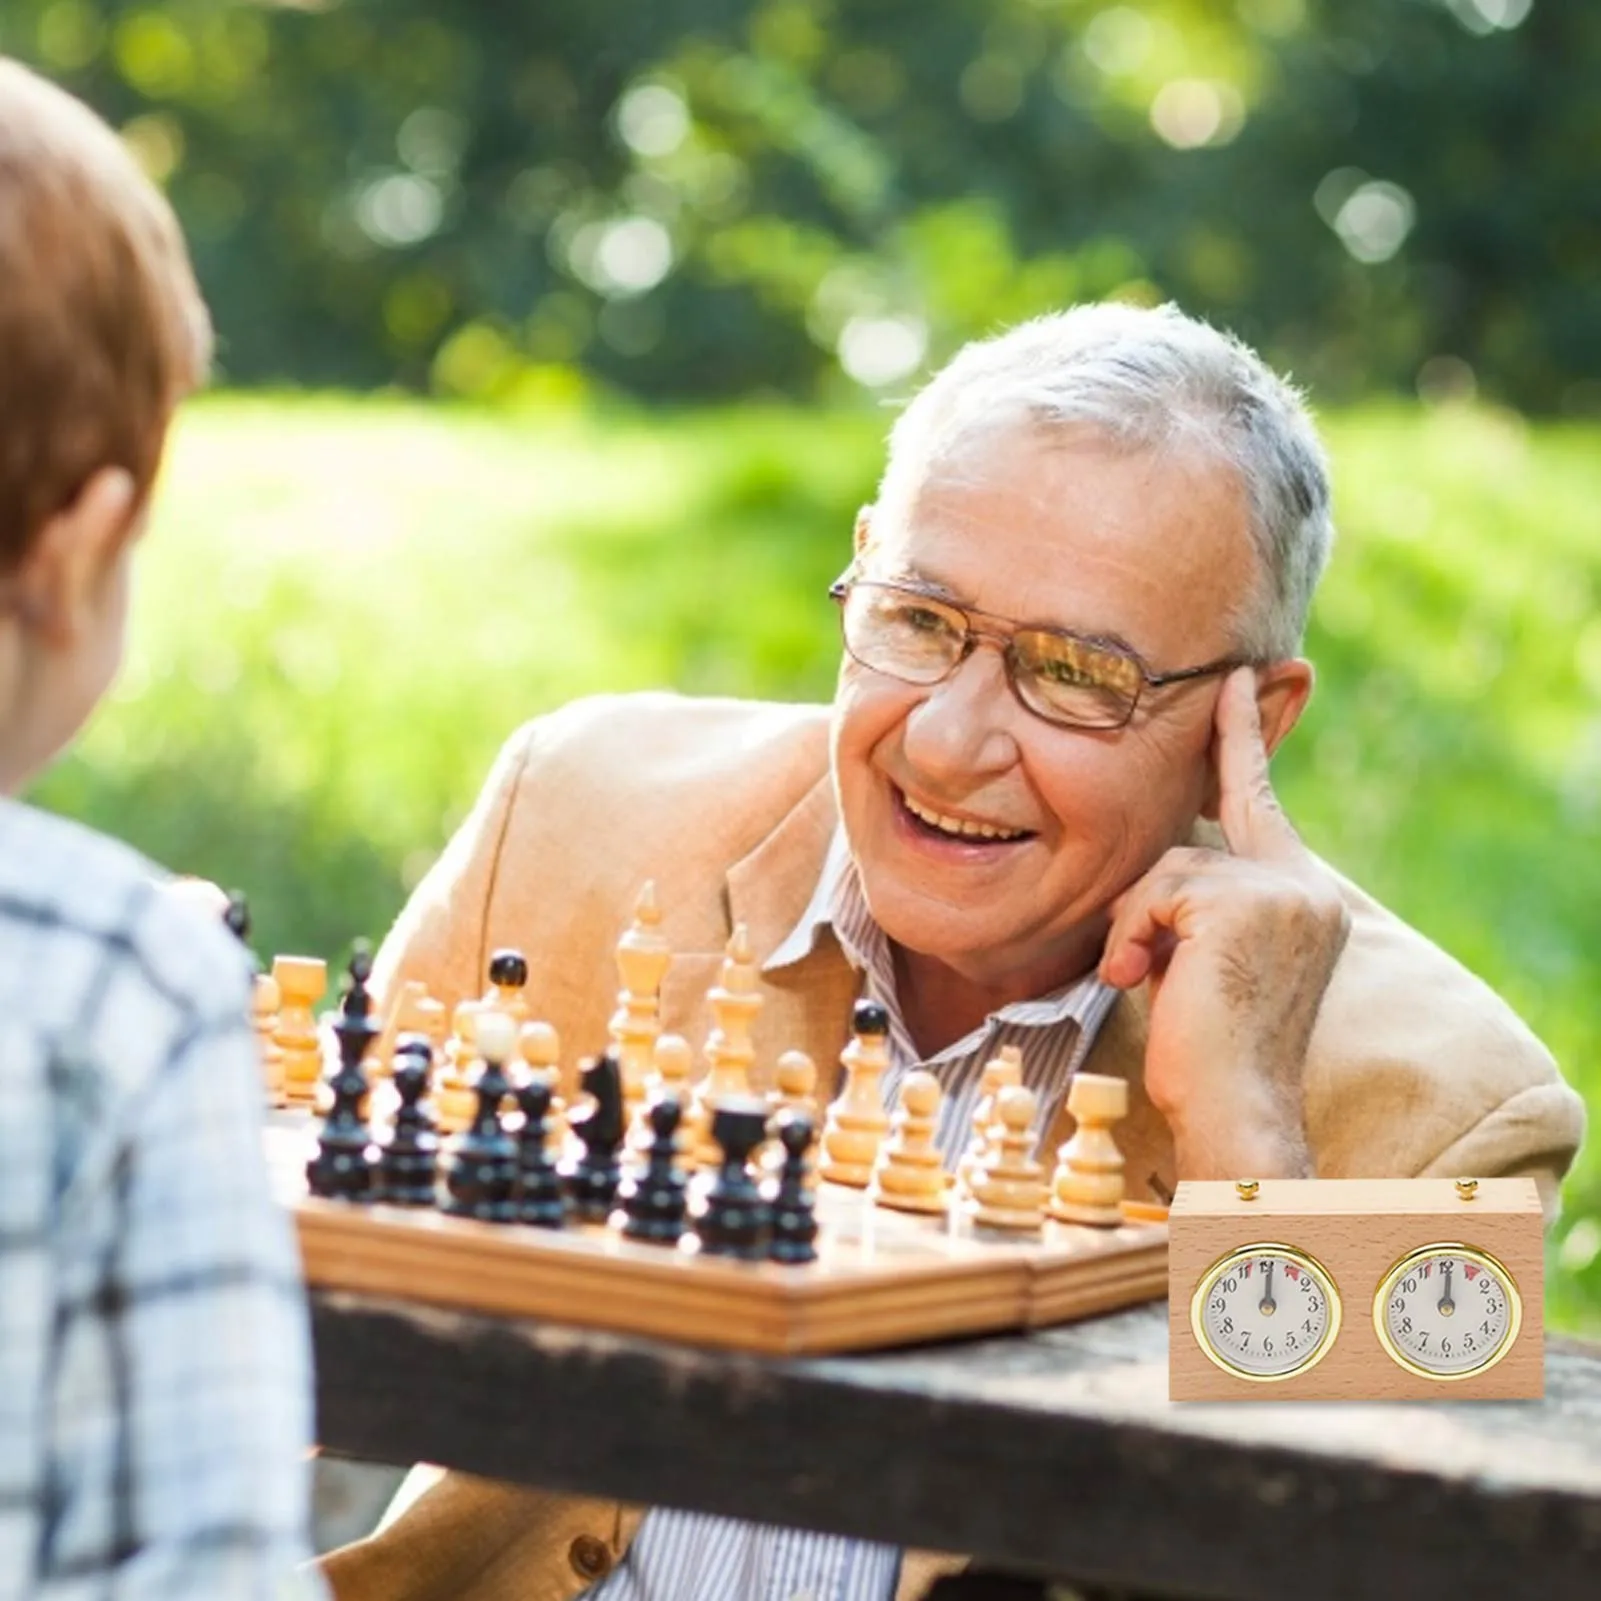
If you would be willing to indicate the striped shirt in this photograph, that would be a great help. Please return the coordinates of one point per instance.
(691, 1556)
(155, 1374)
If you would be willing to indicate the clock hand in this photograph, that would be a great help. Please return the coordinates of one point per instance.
(1268, 1306)
(1447, 1305)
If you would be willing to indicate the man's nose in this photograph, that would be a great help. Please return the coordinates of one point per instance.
(962, 726)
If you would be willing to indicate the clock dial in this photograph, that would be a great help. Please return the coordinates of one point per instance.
(1265, 1312)
(1447, 1311)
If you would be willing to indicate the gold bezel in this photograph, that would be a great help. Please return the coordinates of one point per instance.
(1488, 1263)
(1308, 1264)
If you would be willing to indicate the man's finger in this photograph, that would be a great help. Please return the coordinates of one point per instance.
(1253, 822)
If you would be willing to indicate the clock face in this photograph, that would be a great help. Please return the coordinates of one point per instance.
(1265, 1312)
(1447, 1311)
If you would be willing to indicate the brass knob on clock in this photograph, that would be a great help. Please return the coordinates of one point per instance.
(1466, 1189)
(1246, 1189)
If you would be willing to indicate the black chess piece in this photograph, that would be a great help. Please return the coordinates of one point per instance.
(408, 1162)
(540, 1197)
(345, 1164)
(508, 967)
(870, 1019)
(734, 1219)
(481, 1162)
(236, 919)
(794, 1205)
(655, 1200)
(592, 1180)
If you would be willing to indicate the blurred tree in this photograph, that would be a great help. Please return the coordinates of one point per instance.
(699, 197)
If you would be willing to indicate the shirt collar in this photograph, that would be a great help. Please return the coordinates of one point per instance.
(839, 905)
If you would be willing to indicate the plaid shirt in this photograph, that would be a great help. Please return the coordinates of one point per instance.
(155, 1391)
(678, 1555)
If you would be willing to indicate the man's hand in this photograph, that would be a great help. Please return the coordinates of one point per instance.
(1239, 947)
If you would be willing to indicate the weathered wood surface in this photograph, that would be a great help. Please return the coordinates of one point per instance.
(1056, 1452)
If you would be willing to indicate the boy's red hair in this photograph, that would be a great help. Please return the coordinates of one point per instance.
(102, 328)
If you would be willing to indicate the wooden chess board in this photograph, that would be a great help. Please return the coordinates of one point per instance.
(882, 1278)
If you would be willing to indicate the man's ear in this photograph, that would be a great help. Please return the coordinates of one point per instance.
(864, 530)
(1282, 692)
(60, 581)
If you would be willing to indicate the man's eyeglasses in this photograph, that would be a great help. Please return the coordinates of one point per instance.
(1064, 678)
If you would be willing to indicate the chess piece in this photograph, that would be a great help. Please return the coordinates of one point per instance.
(857, 1119)
(735, 1001)
(1087, 1186)
(540, 1198)
(408, 1161)
(655, 1200)
(236, 919)
(301, 981)
(643, 956)
(794, 1222)
(480, 1170)
(264, 1003)
(405, 1017)
(1000, 1072)
(508, 977)
(343, 1166)
(454, 1101)
(733, 1219)
(795, 1090)
(1008, 1189)
(674, 1063)
(909, 1176)
(592, 1177)
(539, 1045)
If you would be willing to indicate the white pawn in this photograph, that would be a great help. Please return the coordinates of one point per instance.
(264, 1006)
(1008, 1189)
(455, 1101)
(672, 1067)
(539, 1046)
(1087, 1186)
(910, 1176)
(1000, 1072)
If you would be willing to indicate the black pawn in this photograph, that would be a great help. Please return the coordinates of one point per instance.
(481, 1163)
(794, 1205)
(655, 1201)
(408, 1163)
(236, 919)
(735, 1219)
(540, 1198)
(344, 1166)
(509, 968)
(592, 1180)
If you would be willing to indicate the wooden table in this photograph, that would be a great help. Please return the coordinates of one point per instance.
(1051, 1454)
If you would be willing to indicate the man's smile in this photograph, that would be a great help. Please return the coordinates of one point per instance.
(937, 823)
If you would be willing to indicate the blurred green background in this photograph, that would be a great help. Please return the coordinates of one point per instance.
(559, 344)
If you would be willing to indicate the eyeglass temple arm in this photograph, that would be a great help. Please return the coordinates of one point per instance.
(1225, 664)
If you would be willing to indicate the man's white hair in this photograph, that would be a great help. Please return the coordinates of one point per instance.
(1147, 379)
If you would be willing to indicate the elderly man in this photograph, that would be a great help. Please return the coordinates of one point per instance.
(1039, 813)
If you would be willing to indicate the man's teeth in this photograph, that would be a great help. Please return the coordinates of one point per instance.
(957, 826)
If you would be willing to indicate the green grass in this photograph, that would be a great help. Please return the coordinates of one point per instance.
(345, 606)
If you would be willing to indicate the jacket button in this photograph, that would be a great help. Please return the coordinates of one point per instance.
(590, 1557)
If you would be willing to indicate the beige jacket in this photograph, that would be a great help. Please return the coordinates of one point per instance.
(1414, 1067)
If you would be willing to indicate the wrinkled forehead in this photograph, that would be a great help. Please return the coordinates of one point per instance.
(1073, 526)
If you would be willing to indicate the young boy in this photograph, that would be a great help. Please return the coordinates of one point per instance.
(154, 1363)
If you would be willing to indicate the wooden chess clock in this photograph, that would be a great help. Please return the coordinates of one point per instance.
(1356, 1290)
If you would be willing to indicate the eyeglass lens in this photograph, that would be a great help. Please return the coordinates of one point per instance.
(919, 640)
